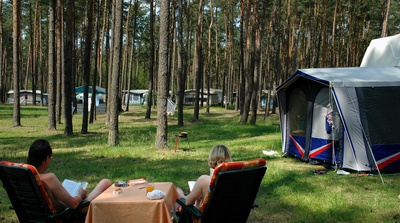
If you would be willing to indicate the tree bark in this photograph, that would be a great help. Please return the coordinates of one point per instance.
(151, 64)
(324, 35)
(130, 58)
(102, 40)
(225, 87)
(87, 67)
(385, 15)
(109, 56)
(16, 61)
(162, 98)
(248, 66)
(2, 88)
(258, 26)
(333, 45)
(208, 74)
(182, 64)
(51, 62)
(59, 55)
(97, 63)
(33, 64)
(240, 94)
(113, 133)
(69, 71)
(41, 64)
(198, 60)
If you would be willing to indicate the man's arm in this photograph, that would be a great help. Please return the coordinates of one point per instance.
(60, 193)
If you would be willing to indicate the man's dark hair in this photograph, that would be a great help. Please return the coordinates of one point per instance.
(38, 152)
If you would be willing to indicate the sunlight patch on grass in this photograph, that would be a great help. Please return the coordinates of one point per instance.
(289, 192)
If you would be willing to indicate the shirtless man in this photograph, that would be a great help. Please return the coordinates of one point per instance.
(40, 156)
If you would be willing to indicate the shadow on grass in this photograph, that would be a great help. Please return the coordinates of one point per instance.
(6, 111)
(289, 192)
(290, 196)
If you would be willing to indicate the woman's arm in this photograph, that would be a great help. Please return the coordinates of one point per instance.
(199, 189)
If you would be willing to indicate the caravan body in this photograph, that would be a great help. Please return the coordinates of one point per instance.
(382, 52)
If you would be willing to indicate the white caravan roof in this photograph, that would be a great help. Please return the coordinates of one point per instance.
(382, 52)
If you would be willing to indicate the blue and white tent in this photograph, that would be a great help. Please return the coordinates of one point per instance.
(348, 117)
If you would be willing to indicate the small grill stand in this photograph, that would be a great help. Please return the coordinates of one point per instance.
(179, 136)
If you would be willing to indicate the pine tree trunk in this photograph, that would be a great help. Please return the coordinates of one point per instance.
(240, 95)
(33, 64)
(102, 39)
(113, 133)
(208, 74)
(333, 45)
(2, 82)
(96, 7)
(87, 66)
(132, 53)
(182, 65)
(198, 60)
(257, 24)
(51, 62)
(69, 71)
(151, 64)
(162, 122)
(41, 63)
(16, 61)
(248, 66)
(385, 15)
(59, 55)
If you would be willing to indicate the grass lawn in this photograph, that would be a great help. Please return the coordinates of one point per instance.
(290, 191)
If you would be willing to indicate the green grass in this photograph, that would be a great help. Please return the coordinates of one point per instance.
(290, 191)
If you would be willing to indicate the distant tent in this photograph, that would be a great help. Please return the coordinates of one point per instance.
(215, 96)
(347, 117)
(99, 90)
(135, 97)
(26, 97)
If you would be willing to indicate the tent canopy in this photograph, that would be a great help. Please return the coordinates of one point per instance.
(361, 103)
(348, 77)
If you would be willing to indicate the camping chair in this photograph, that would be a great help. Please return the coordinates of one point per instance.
(232, 191)
(29, 198)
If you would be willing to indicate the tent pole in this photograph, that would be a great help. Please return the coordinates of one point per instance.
(373, 157)
(368, 145)
(333, 132)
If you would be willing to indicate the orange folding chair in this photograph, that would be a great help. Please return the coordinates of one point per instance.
(232, 192)
(29, 198)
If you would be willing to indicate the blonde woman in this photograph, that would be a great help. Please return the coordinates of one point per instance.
(218, 155)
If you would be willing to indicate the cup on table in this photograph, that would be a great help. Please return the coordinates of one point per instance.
(150, 184)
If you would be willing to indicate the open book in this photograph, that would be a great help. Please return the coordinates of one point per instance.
(73, 187)
(137, 181)
(191, 185)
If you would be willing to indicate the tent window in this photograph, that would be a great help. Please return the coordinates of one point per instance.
(297, 112)
(380, 109)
